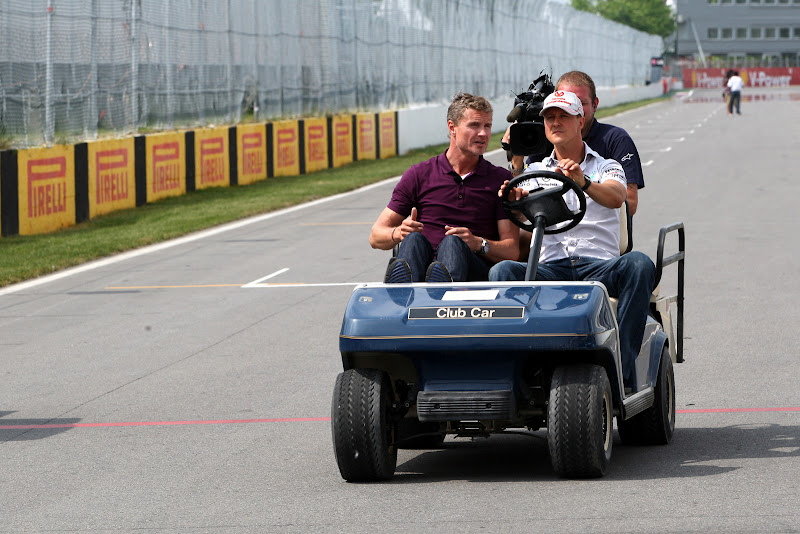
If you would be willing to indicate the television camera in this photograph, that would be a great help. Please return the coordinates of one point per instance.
(527, 135)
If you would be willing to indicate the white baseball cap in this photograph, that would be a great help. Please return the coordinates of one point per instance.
(565, 100)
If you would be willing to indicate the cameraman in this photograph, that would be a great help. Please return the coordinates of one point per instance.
(609, 141)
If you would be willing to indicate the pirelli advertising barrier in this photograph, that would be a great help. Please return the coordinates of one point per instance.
(45, 189)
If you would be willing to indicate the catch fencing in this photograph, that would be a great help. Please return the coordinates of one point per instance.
(73, 70)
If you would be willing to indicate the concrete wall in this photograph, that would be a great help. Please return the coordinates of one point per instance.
(427, 125)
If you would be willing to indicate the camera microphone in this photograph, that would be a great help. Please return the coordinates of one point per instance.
(516, 113)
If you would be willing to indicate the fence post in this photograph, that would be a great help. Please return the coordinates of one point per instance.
(134, 68)
(49, 119)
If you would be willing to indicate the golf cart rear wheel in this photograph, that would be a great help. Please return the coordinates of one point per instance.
(580, 421)
(655, 425)
(363, 432)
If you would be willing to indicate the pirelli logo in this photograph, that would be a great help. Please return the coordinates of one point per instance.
(467, 312)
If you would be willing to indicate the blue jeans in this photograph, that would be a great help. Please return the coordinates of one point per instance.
(735, 99)
(463, 264)
(630, 278)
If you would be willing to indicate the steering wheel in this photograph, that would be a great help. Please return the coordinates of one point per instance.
(544, 202)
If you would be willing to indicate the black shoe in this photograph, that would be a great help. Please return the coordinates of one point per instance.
(438, 273)
(398, 272)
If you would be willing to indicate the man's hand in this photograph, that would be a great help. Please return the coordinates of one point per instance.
(473, 242)
(516, 193)
(410, 224)
(391, 229)
(571, 170)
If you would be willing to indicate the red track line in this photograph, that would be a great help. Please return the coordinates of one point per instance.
(317, 419)
(166, 423)
(738, 410)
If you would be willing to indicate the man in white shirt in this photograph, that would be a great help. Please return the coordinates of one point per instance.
(589, 251)
(735, 84)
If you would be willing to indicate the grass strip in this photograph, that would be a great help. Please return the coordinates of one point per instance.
(26, 257)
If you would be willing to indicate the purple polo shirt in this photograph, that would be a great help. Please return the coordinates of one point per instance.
(442, 198)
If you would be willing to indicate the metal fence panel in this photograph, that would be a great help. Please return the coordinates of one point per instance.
(76, 69)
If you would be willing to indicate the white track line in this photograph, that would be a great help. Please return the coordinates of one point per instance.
(181, 240)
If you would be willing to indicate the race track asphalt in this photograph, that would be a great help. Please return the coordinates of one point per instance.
(187, 387)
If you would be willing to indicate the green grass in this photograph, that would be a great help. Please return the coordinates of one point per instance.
(25, 257)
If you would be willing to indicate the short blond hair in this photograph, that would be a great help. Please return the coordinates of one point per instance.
(578, 79)
(462, 102)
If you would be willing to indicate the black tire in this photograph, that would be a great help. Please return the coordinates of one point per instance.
(363, 432)
(413, 434)
(655, 425)
(580, 421)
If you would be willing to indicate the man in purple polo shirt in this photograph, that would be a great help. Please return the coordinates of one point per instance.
(444, 213)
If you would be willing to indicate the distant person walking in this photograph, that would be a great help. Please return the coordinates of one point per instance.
(726, 91)
(735, 84)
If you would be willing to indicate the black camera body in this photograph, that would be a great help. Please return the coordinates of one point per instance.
(527, 135)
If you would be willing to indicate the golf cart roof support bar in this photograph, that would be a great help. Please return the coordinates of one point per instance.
(661, 262)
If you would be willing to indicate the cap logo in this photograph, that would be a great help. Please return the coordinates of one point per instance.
(559, 93)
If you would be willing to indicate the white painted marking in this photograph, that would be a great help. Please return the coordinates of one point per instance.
(301, 284)
(181, 240)
(276, 273)
(647, 163)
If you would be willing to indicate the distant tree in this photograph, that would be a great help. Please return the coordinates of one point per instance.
(650, 16)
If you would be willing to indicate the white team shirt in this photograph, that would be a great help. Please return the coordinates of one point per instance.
(597, 235)
(735, 83)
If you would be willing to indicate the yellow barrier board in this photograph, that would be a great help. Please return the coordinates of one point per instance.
(112, 176)
(211, 158)
(365, 135)
(46, 189)
(251, 145)
(342, 132)
(316, 135)
(388, 126)
(166, 165)
(286, 148)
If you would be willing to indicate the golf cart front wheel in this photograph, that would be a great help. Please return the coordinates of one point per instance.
(363, 432)
(580, 421)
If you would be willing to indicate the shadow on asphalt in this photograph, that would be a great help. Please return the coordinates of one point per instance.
(32, 429)
(693, 452)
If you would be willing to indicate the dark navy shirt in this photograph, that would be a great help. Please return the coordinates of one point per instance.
(443, 198)
(612, 142)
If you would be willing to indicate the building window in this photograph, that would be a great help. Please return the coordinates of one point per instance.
(727, 33)
(755, 1)
(713, 33)
(712, 1)
(755, 33)
(797, 33)
(784, 33)
(741, 33)
(725, 1)
(769, 33)
(783, 1)
(769, 2)
(744, 1)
